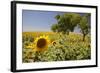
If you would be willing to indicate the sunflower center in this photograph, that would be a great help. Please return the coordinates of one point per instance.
(41, 43)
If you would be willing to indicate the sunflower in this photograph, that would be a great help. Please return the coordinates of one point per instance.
(41, 43)
(54, 43)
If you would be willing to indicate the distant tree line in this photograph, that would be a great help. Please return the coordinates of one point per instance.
(68, 21)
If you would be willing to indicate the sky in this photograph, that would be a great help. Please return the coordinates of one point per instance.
(38, 20)
(33, 20)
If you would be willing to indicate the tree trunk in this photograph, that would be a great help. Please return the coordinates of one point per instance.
(83, 37)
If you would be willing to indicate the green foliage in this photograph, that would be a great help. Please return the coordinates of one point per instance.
(67, 22)
(84, 25)
(54, 27)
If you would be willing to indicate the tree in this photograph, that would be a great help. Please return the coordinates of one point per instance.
(84, 26)
(54, 28)
(67, 22)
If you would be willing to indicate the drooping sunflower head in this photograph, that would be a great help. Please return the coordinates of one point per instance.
(54, 43)
(41, 43)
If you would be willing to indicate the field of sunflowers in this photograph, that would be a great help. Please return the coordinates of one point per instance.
(50, 46)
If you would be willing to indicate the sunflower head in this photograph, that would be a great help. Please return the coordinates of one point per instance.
(41, 43)
(54, 43)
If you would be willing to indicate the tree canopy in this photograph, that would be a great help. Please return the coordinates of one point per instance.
(67, 22)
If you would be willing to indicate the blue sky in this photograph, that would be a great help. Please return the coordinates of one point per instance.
(33, 20)
(38, 20)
